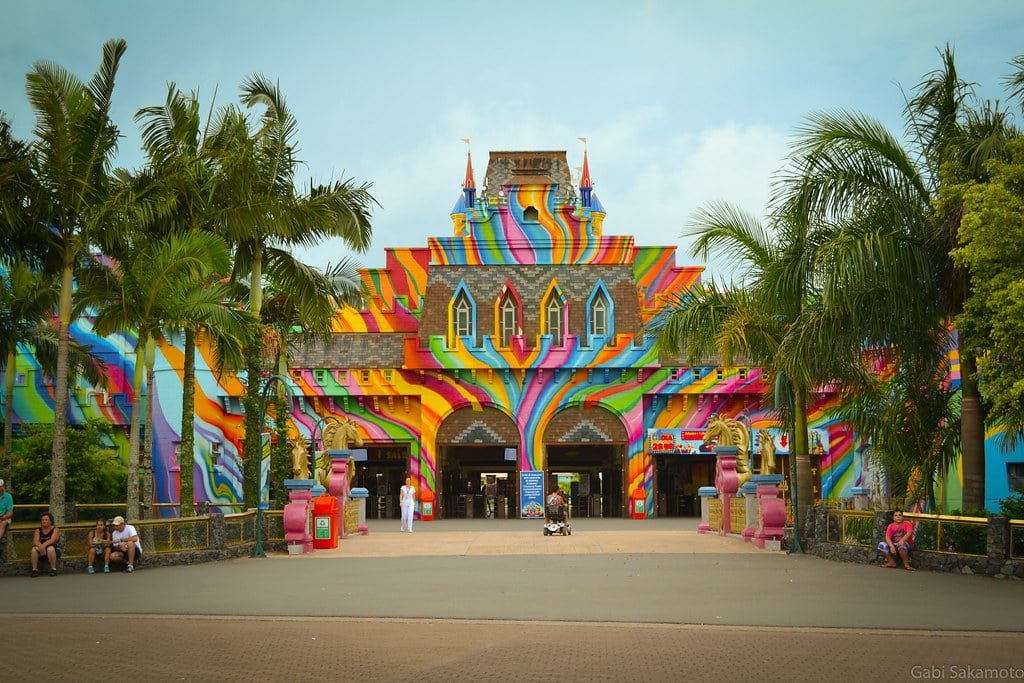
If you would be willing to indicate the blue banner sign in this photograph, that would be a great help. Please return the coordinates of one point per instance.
(531, 494)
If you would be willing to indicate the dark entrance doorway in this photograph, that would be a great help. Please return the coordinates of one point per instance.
(594, 475)
(469, 475)
(677, 478)
(472, 444)
(382, 474)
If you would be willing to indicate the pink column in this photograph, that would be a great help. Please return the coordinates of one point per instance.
(338, 485)
(296, 515)
(727, 482)
(773, 510)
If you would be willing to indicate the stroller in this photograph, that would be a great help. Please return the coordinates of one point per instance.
(557, 520)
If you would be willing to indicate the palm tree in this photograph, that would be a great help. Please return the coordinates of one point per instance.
(19, 224)
(302, 320)
(890, 274)
(273, 218)
(71, 153)
(910, 415)
(763, 318)
(159, 290)
(185, 160)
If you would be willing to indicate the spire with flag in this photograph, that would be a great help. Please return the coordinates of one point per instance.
(585, 186)
(469, 185)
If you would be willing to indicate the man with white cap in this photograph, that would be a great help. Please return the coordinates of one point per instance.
(125, 546)
(6, 508)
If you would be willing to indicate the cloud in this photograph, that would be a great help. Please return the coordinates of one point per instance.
(731, 162)
(649, 185)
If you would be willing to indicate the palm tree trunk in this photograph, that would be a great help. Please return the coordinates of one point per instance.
(253, 429)
(253, 452)
(256, 284)
(186, 456)
(58, 468)
(281, 461)
(147, 447)
(11, 371)
(803, 492)
(972, 433)
(133, 432)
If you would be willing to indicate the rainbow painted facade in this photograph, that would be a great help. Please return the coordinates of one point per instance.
(514, 345)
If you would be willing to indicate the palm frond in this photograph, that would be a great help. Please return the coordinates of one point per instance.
(1015, 81)
(727, 230)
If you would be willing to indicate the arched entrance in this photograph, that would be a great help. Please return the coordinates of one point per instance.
(475, 476)
(585, 453)
(382, 474)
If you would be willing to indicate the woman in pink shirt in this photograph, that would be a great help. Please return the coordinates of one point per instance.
(899, 538)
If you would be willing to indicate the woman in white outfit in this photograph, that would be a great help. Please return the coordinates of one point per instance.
(408, 502)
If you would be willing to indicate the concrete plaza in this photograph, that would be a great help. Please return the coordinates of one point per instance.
(497, 600)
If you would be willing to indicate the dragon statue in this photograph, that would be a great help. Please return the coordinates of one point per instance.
(337, 436)
(766, 444)
(725, 431)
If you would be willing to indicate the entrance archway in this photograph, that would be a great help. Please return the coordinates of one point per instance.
(474, 476)
(585, 453)
(382, 474)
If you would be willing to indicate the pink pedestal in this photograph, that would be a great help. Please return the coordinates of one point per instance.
(296, 521)
(727, 482)
(773, 515)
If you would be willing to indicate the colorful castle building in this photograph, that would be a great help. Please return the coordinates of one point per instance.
(513, 354)
(485, 365)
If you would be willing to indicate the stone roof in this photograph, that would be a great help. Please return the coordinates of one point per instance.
(354, 350)
(522, 168)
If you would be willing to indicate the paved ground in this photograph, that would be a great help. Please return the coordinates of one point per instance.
(496, 600)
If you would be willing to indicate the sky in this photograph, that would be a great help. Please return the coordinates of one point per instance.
(682, 103)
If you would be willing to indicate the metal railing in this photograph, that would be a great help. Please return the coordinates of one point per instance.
(239, 528)
(274, 520)
(1017, 539)
(949, 534)
(160, 535)
(850, 527)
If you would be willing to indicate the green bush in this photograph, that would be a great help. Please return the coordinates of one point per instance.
(95, 474)
(860, 530)
(1013, 508)
(926, 535)
(970, 539)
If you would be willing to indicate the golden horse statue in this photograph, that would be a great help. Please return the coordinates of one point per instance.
(730, 432)
(337, 436)
(766, 444)
(300, 462)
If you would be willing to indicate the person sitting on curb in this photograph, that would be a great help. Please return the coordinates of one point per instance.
(99, 543)
(6, 508)
(125, 546)
(899, 538)
(46, 543)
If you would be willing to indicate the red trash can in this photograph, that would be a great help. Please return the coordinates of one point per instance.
(638, 504)
(427, 506)
(325, 522)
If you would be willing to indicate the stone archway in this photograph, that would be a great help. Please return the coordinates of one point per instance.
(589, 446)
(472, 444)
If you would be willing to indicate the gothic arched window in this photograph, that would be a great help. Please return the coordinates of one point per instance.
(599, 315)
(462, 316)
(553, 319)
(508, 322)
